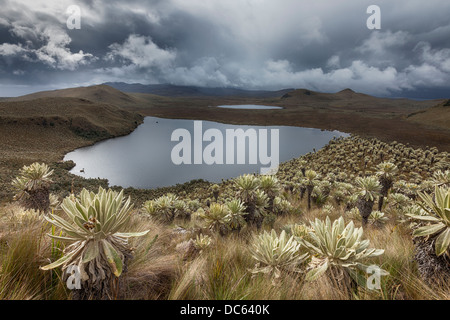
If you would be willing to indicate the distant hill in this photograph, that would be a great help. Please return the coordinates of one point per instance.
(98, 93)
(45, 128)
(353, 101)
(436, 116)
(168, 90)
(85, 118)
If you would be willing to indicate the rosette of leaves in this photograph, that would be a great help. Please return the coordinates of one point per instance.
(427, 186)
(404, 215)
(368, 188)
(271, 187)
(215, 191)
(340, 192)
(24, 216)
(282, 206)
(337, 247)
(260, 209)
(311, 180)
(302, 164)
(165, 208)
(202, 242)
(398, 201)
(319, 196)
(328, 209)
(98, 244)
(216, 218)
(190, 207)
(32, 186)
(254, 199)
(353, 214)
(299, 230)
(236, 213)
(441, 178)
(385, 173)
(436, 220)
(247, 185)
(301, 186)
(276, 254)
(378, 218)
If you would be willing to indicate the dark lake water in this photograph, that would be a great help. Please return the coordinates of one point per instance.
(145, 158)
(249, 107)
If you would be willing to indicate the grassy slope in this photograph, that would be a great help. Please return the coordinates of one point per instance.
(45, 129)
(98, 93)
(436, 116)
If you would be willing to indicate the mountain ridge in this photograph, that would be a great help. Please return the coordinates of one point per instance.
(97, 93)
(169, 90)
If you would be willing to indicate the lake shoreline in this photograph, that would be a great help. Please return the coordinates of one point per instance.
(295, 142)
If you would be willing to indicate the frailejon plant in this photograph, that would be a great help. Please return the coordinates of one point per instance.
(385, 172)
(441, 178)
(255, 200)
(216, 218)
(271, 187)
(311, 180)
(338, 248)
(368, 188)
(32, 186)
(436, 219)
(98, 246)
(202, 242)
(165, 208)
(236, 214)
(378, 218)
(282, 206)
(215, 190)
(276, 254)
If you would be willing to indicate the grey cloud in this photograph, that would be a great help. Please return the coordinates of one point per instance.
(321, 45)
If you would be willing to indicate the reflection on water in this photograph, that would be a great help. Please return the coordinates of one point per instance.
(142, 159)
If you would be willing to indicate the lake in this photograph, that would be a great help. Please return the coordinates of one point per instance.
(147, 157)
(249, 107)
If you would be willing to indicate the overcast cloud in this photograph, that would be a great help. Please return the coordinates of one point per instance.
(253, 44)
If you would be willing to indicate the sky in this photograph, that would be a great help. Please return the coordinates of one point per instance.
(319, 45)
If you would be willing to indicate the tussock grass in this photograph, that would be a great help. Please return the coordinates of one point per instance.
(219, 272)
(23, 249)
(153, 267)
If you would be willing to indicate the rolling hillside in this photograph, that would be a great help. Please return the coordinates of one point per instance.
(98, 93)
(46, 127)
(168, 90)
(436, 116)
(352, 101)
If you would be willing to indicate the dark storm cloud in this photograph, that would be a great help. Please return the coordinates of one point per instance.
(324, 45)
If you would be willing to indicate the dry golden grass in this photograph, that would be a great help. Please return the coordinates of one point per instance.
(153, 267)
(221, 271)
(24, 247)
(437, 116)
(98, 93)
